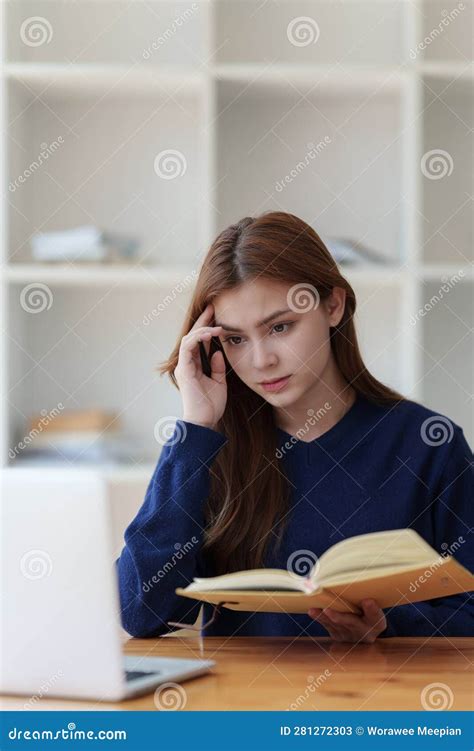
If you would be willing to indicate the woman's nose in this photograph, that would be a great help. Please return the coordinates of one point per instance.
(263, 357)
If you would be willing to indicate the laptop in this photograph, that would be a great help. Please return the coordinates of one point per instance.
(60, 630)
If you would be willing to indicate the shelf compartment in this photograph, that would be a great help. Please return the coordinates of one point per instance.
(445, 31)
(378, 321)
(445, 333)
(447, 166)
(150, 32)
(109, 162)
(299, 31)
(350, 184)
(86, 347)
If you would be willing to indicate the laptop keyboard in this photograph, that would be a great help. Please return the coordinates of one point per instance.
(130, 675)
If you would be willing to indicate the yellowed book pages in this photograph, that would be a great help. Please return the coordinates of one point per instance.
(394, 567)
(443, 577)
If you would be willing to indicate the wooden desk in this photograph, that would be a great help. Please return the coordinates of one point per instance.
(270, 674)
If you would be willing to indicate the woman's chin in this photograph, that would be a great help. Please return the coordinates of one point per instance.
(283, 398)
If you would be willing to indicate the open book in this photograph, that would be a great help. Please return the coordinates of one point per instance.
(394, 567)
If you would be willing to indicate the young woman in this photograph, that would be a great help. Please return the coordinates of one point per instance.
(288, 446)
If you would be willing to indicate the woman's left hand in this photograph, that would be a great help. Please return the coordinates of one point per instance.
(349, 627)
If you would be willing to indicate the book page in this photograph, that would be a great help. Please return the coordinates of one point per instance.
(391, 549)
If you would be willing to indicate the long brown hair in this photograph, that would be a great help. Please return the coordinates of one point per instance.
(249, 493)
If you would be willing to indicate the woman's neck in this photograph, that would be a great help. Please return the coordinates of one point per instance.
(318, 409)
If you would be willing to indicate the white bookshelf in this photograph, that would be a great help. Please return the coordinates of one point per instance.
(242, 104)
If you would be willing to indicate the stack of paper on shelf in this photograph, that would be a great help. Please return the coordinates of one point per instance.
(90, 435)
(83, 244)
(350, 252)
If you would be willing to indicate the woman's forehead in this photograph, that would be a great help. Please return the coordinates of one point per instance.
(255, 293)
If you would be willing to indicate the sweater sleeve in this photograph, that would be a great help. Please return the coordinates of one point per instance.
(453, 523)
(163, 541)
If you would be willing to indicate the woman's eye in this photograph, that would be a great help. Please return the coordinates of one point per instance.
(232, 343)
(229, 338)
(282, 324)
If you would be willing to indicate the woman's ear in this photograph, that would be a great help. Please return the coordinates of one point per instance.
(335, 304)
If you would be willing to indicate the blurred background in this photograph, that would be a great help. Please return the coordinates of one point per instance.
(133, 132)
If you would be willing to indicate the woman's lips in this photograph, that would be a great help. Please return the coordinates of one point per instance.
(276, 385)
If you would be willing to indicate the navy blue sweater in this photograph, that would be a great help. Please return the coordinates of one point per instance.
(378, 468)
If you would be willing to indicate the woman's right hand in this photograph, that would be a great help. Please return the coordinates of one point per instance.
(204, 398)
